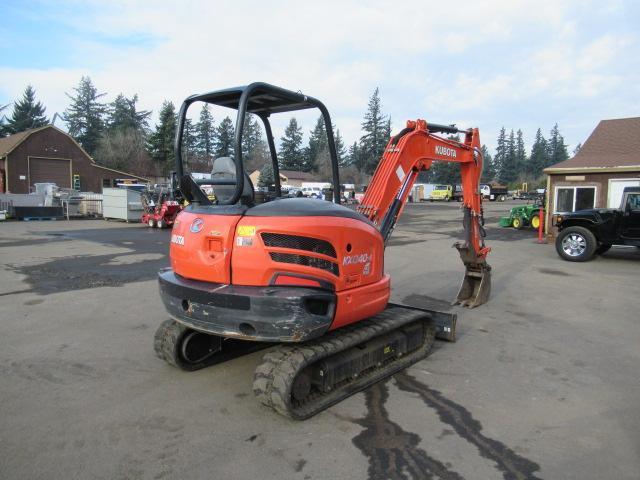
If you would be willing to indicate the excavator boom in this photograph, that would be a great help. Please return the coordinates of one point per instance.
(414, 149)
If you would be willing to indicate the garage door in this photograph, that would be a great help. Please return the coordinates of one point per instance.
(616, 188)
(44, 170)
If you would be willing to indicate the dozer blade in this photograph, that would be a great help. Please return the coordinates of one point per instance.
(476, 285)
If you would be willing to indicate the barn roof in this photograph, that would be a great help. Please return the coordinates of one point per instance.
(7, 144)
(613, 144)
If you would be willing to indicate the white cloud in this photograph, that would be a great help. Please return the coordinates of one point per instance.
(429, 58)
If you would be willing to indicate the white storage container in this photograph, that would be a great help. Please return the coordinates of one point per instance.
(121, 203)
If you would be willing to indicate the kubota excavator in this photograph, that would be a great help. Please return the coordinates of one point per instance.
(303, 276)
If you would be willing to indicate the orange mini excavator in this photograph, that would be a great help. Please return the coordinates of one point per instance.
(306, 277)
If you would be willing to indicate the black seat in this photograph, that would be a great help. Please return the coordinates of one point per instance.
(224, 169)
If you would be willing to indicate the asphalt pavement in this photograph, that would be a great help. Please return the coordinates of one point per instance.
(543, 381)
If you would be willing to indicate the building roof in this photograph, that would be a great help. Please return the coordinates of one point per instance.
(7, 144)
(613, 144)
(296, 175)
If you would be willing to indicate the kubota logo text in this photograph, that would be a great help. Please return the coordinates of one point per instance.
(447, 152)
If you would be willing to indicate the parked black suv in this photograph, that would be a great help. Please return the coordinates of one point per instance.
(585, 233)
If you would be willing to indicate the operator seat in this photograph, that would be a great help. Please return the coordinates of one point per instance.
(224, 168)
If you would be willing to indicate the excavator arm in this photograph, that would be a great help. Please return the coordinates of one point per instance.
(414, 149)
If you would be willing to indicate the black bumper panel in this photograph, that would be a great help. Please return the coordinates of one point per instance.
(266, 314)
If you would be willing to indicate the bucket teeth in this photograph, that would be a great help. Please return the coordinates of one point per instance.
(476, 285)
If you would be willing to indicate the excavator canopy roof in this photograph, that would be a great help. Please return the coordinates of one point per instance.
(263, 100)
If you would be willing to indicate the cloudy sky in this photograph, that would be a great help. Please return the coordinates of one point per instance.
(492, 63)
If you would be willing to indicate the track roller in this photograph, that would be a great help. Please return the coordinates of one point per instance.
(301, 380)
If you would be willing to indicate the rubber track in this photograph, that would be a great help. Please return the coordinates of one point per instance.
(170, 333)
(274, 377)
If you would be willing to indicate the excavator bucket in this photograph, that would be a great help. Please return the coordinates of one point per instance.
(476, 285)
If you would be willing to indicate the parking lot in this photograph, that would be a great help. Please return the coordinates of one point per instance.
(543, 381)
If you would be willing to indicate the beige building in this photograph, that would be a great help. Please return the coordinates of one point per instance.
(607, 162)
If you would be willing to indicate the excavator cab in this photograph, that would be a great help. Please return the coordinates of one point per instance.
(228, 174)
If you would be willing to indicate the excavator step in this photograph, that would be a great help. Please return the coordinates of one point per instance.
(299, 381)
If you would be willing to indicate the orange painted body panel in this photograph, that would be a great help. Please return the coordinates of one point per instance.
(362, 302)
(362, 265)
(205, 255)
(240, 257)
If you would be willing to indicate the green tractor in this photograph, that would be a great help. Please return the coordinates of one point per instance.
(523, 216)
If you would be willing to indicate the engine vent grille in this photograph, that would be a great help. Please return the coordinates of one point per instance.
(307, 261)
(296, 242)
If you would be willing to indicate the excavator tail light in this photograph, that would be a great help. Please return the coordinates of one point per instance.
(476, 285)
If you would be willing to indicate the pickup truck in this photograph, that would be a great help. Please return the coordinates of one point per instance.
(585, 233)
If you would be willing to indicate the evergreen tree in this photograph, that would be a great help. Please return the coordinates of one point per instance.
(3, 127)
(557, 149)
(266, 178)
(161, 141)
(85, 115)
(123, 114)
(341, 151)
(521, 156)
(225, 136)
(205, 134)
(501, 151)
(488, 166)
(291, 154)
(253, 145)
(509, 169)
(375, 127)
(539, 158)
(189, 141)
(353, 157)
(577, 149)
(27, 113)
(317, 145)
(386, 133)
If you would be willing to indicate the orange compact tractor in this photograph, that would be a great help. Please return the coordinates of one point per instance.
(306, 277)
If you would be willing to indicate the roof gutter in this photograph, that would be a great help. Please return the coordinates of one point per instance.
(564, 170)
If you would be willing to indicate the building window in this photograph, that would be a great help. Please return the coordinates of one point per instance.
(570, 199)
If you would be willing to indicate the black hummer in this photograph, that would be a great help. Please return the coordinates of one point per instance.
(584, 233)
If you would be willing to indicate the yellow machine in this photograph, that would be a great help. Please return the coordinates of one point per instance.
(441, 192)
